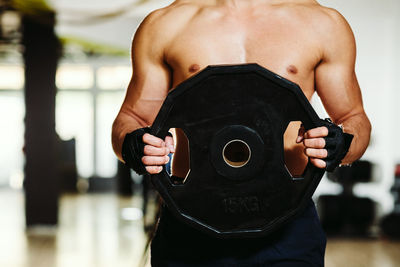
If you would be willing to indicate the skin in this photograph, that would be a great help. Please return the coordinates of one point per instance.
(300, 40)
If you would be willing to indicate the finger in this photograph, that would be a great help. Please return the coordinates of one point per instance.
(317, 132)
(318, 162)
(155, 160)
(155, 151)
(153, 140)
(169, 142)
(314, 143)
(154, 169)
(316, 153)
(300, 135)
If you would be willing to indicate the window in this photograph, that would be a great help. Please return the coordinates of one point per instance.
(113, 78)
(11, 77)
(74, 77)
(87, 102)
(74, 119)
(11, 138)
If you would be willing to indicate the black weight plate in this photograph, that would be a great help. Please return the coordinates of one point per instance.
(252, 106)
(253, 142)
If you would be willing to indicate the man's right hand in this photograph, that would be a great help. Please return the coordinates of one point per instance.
(156, 152)
(146, 153)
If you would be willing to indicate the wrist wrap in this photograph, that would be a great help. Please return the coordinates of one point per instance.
(133, 150)
(337, 143)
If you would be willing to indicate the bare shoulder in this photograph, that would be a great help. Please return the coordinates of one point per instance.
(162, 24)
(321, 17)
(335, 34)
(333, 20)
(325, 26)
(330, 24)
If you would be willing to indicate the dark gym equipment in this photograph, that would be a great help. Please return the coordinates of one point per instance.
(67, 169)
(390, 223)
(124, 180)
(359, 172)
(234, 117)
(347, 214)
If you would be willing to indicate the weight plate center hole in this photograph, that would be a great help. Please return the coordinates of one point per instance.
(236, 153)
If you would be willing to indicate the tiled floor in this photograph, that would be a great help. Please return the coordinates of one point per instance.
(362, 253)
(104, 231)
(92, 233)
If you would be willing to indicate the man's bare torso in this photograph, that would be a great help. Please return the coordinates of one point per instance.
(282, 36)
(300, 40)
(279, 37)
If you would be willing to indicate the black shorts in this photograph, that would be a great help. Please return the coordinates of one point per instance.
(300, 243)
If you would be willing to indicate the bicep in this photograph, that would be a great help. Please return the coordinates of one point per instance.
(338, 88)
(146, 92)
(335, 78)
(150, 80)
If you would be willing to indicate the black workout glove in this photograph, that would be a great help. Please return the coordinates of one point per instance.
(133, 150)
(337, 143)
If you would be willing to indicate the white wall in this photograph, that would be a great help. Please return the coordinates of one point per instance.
(376, 28)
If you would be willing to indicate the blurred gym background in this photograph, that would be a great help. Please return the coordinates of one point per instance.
(65, 200)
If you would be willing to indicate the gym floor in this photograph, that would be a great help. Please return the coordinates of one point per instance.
(104, 230)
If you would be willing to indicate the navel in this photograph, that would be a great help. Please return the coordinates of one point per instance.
(292, 69)
(194, 68)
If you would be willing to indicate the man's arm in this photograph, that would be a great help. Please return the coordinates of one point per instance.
(338, 88)
(146, 92)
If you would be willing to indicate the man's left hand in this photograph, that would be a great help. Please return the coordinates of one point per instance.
(325, 146)
(314, 143)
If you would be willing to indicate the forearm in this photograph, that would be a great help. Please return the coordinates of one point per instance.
(359, 126)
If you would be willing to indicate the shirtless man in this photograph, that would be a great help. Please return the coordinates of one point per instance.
(300, 40)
